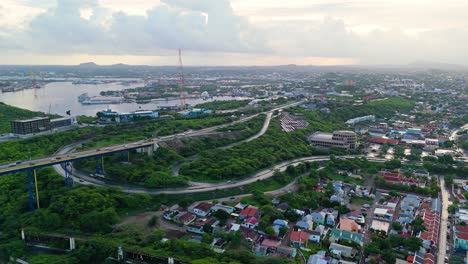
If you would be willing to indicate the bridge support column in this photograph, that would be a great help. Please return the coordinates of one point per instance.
(68, 167)
(32, 189)
(125, 156)
(120, 254)
(100, 166)
(23, 236)
(72, 243)
(170, 260)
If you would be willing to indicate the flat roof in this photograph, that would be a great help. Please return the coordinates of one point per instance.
(32, 119)
(321, 135)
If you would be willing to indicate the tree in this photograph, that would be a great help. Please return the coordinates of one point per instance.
(153, 221)
(282, 231)
(270, 231)
(222, 216)
(412, 243)
(418, 225)
(397, 226)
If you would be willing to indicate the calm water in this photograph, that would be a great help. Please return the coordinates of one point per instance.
(63, 96)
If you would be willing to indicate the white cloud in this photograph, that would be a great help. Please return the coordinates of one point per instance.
(370, 31)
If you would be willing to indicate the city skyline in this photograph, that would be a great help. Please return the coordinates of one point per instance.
(236, 32)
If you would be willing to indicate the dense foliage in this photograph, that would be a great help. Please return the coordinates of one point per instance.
(223, 105)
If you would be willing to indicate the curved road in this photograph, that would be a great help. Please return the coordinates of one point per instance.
(200, 187)
(266, 124)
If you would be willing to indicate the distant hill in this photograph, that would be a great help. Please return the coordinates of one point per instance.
(88, 64)
(9, 113)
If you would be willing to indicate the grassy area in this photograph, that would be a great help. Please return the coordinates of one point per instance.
(360, 200)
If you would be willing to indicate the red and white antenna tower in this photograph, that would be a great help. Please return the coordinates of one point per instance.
(181, 81)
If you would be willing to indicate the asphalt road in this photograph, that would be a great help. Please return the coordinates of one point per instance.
(443, 222)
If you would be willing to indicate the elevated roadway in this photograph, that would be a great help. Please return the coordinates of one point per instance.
(19, 166)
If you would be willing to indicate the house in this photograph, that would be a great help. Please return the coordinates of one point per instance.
(225, 208)
(267, 245)
(184, 218)
(320, 229)
(250, 211)
(336, 198)
(341, 250)
(280, 223)
(348, 225)
(299, 238)
(251, 222)
(338, 235)
(306, 225)
(286, 251)
(380, 226)
(202, 209)
(240, 206)
(330, 220)
(198, 226)
(314, 236)
(318, 217)
(318, 258)
(461, 238)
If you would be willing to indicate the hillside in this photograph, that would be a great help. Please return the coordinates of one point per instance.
(9, 113)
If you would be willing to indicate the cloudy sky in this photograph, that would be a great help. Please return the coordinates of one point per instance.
(233, 32)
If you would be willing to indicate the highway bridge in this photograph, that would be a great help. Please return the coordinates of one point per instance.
(66, 160)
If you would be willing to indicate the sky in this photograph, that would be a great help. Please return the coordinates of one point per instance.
(233, 32)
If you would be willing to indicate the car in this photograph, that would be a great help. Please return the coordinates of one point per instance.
(18, 162)
(58, 158)
(98, 149)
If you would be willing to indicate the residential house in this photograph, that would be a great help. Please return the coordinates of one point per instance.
(251, 222)
(202, 209)
(250, 211)
(184, 218)
(305, 225)
(330, 220)
(337, 198)
(318, 217)
(267, 245)
(299, 238)
(338, 235)
(196, 228)
(348, 225)
(286, 251)
(461, 237)
(320, 229)
(225, 208)
(318, 258)
(279, 223)
(341, 250)
(314, 236)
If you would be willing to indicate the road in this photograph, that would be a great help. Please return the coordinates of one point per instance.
(199, 186)
(443, 221)
(61, 158)
(176, 168)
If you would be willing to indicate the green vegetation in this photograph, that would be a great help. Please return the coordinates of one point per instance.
(223, 105)
(388, 248)
(246, 158)
(9, 113)
(100, 136)
(155, 171)
(150, 171)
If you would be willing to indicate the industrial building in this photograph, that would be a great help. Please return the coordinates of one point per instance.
(110, 116)
(38, 124)
(338, 139)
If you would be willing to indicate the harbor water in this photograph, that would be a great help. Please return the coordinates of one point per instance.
(59, 97)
